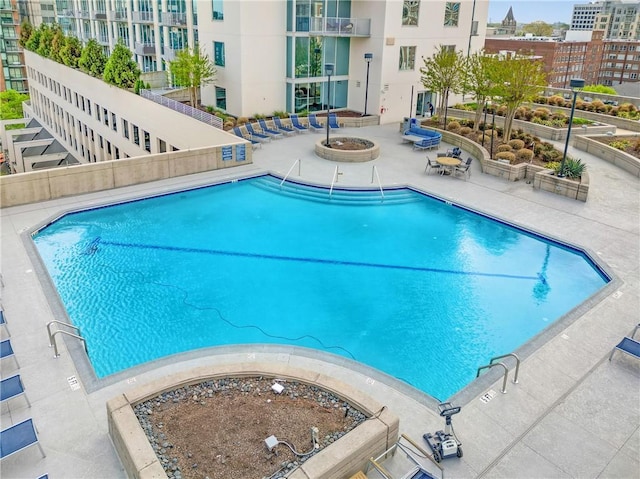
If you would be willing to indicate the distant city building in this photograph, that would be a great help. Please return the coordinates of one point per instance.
(508, 25)
(37, 12)
(13, 75)
(619, 20)
(584, 15)
(619, 63)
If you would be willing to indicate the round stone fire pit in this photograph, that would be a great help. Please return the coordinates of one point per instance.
(348, 149)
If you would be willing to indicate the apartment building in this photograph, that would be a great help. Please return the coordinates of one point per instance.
(13, 73)
(584, 15)
(619, 62)
(270, 54)
(563, 60)
(619, 20)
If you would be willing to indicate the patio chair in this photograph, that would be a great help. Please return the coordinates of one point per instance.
(441, 155)
(313, 123)
(6, 351)
(12, 387)
(455, 153)
(295, 123)
(18, 437)
(255, 135)
(628, 346)
(3, 322)
(465, 168)
(432, 164)
(265, 129)
(333, 121)
(281, 128)
(238, 132)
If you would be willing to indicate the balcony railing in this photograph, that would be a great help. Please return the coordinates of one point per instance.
(100, 15)
(335, 26)
(174, 19)
(119, 16)
(84, 14)
(145, 48)
(67, 13)
(103, 39)
(169, 54)
(200, 115)
(142, 17)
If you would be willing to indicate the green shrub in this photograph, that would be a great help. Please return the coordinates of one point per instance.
(542, 113)
(524, 154)
(573, 168)
(620, 144)
(280, 114)
(506, 155)
(516, 144)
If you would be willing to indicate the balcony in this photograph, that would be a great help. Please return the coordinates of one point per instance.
(100, 15)
(84, 14)
(169, 54)
(174, 19)
(119, 16)
(335, 26)
(67, 13)
(142, 17)
(103, 40)
(145, 48)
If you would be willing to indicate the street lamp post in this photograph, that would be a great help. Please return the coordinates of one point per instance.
(575, 84)
(493, 127)
(328, 68)
(484, 126)
(367, 58)
(316, 73)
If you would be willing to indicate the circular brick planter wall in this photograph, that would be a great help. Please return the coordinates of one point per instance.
(348, 156)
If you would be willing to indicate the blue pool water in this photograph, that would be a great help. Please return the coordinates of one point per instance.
(399, 285)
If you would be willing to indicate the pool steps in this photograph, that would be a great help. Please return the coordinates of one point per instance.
(338, 196)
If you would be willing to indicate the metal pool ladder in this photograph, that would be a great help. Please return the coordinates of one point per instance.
(506, 370)
(52, 336)
(291, 169)
(374, 171)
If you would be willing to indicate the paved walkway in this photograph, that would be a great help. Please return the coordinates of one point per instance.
(573, 414)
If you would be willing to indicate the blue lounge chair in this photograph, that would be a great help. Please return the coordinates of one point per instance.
(3, 322)
(255, 135)
(6, 351)
(333, 121)
(265, 129)
(313, 123)
(281, 128)
(295, 123)
(628, 346)
(238, 132)
(12, 387)
(18, 437)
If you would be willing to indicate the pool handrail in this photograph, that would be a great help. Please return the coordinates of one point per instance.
(374, 170)
(506, 374)
(290, 169)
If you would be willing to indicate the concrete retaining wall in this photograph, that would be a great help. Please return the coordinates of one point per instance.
(612, 155)
(341, 459)
(623, 123)
(55, 183)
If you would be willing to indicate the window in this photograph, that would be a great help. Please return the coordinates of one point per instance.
(105, 116)
(451, 14)
(221, 98)
(125, 128)
(218, 13)
(410, 10)
(147, 141)
(136, 135)
(407, 58)
(114, 123)
(218, 54)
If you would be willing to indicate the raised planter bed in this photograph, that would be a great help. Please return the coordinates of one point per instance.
(623, 123)
(619, 158)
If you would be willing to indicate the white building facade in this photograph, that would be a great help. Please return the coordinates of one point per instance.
(270, 55)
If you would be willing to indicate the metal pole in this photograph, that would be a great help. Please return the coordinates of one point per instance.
(329, 70)
(575, 83)
(484, 127)
(493, 125)
(367, 58)
(446, 103)
(411, 102)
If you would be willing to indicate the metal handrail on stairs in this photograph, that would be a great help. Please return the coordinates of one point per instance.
(374, 171)
(52, 336)
(290, 169)
(336, 173)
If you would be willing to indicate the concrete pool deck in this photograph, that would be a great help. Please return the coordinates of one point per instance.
(572, 414)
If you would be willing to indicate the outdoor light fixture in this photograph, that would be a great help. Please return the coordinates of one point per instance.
(328, 69)
(575, 84)
(367, 58)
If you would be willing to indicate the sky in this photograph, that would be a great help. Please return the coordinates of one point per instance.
(527, 11)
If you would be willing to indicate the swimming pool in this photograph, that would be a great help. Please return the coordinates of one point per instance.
(413, 286)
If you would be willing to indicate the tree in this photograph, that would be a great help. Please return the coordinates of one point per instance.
(71, 51)
(120, 69)
(193, 69)
(515, 79)
(538, 28)
(442, 74)
(26, 30)
(11, 102)
(57, 42)
(477, 81)
(93, 59)
(46, 38)
(33, 42)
